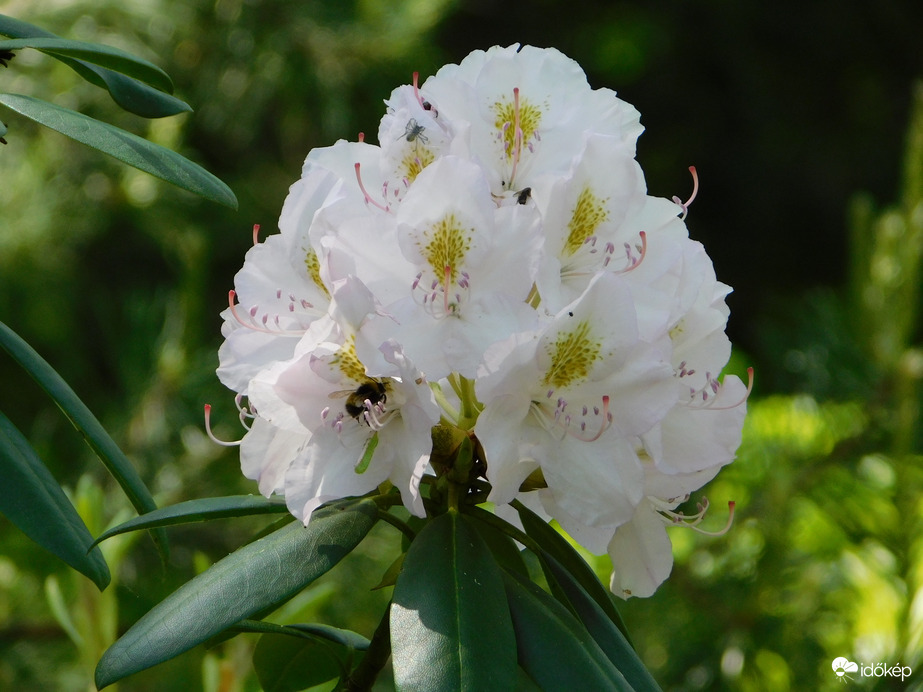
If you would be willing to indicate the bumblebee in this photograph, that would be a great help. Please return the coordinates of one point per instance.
(373, 391)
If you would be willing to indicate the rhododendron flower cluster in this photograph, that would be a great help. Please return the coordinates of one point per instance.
(489, 295)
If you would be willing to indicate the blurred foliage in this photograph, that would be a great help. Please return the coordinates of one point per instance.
(118, 279)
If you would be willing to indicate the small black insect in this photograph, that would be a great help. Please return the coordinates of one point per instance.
(373, 391)
(414, 130)
(523, 195)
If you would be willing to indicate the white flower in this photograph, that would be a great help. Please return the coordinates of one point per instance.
(343, 429)
(526, 111)
(640, 549)
(495, 270)
(469, 268)
(585, 214)
(569, 399)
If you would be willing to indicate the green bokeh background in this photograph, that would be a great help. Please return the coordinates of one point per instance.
(799, 119)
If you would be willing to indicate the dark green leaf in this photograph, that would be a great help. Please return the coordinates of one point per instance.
(553, 647)
(252, 578)
(131, 149)
(347, 638)
(389, 578)
(603, 630)
(85, 422)
(310, 630)
(286, 664)
(111, 58)
(32, 499)
(504, 548)
(524, 683)
(415, 523)
(557, 546)
(199, 510)
(132, 95)
(450, 626)
(293, 657)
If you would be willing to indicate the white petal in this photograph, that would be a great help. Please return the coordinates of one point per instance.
(694, 438)
(266, 452)
(326, 470)
(641, 554)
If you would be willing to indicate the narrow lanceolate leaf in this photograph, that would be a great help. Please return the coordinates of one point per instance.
(104, 56)
(261, 574)
(553, 647)
(205, 509)
(450, 625)
(85, 422)
(337, 635)
(131, 94)
(32, 499)
(604, 632)
(557, 546)
(131, 149)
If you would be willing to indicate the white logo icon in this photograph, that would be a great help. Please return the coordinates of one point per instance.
(841, 666)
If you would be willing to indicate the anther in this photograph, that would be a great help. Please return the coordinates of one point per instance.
(634, 262)
(252, 324)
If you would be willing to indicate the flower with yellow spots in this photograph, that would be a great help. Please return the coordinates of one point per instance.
(526, 112)
(470, 268)
(488, 304)
(344, 430)
(569, 399)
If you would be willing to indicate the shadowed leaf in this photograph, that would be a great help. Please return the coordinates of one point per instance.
(124, 146)
(32, 499)
(247, 581)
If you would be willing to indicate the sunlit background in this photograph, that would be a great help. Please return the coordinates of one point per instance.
(799, 118)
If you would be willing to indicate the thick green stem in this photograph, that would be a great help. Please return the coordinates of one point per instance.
(377, 655)
(401, 526)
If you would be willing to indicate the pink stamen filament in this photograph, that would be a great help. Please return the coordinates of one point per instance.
(714, 386)
(243, 412)
(211, 435)
(695, 191)
(560, 417)
(251, 324)
(375, 415)
(691, 522)
(607, 421)
(635, 262)
(361, 137)
(416, 90)
(368, 197)
(256, 234)
(427, 293)
(445, 290)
